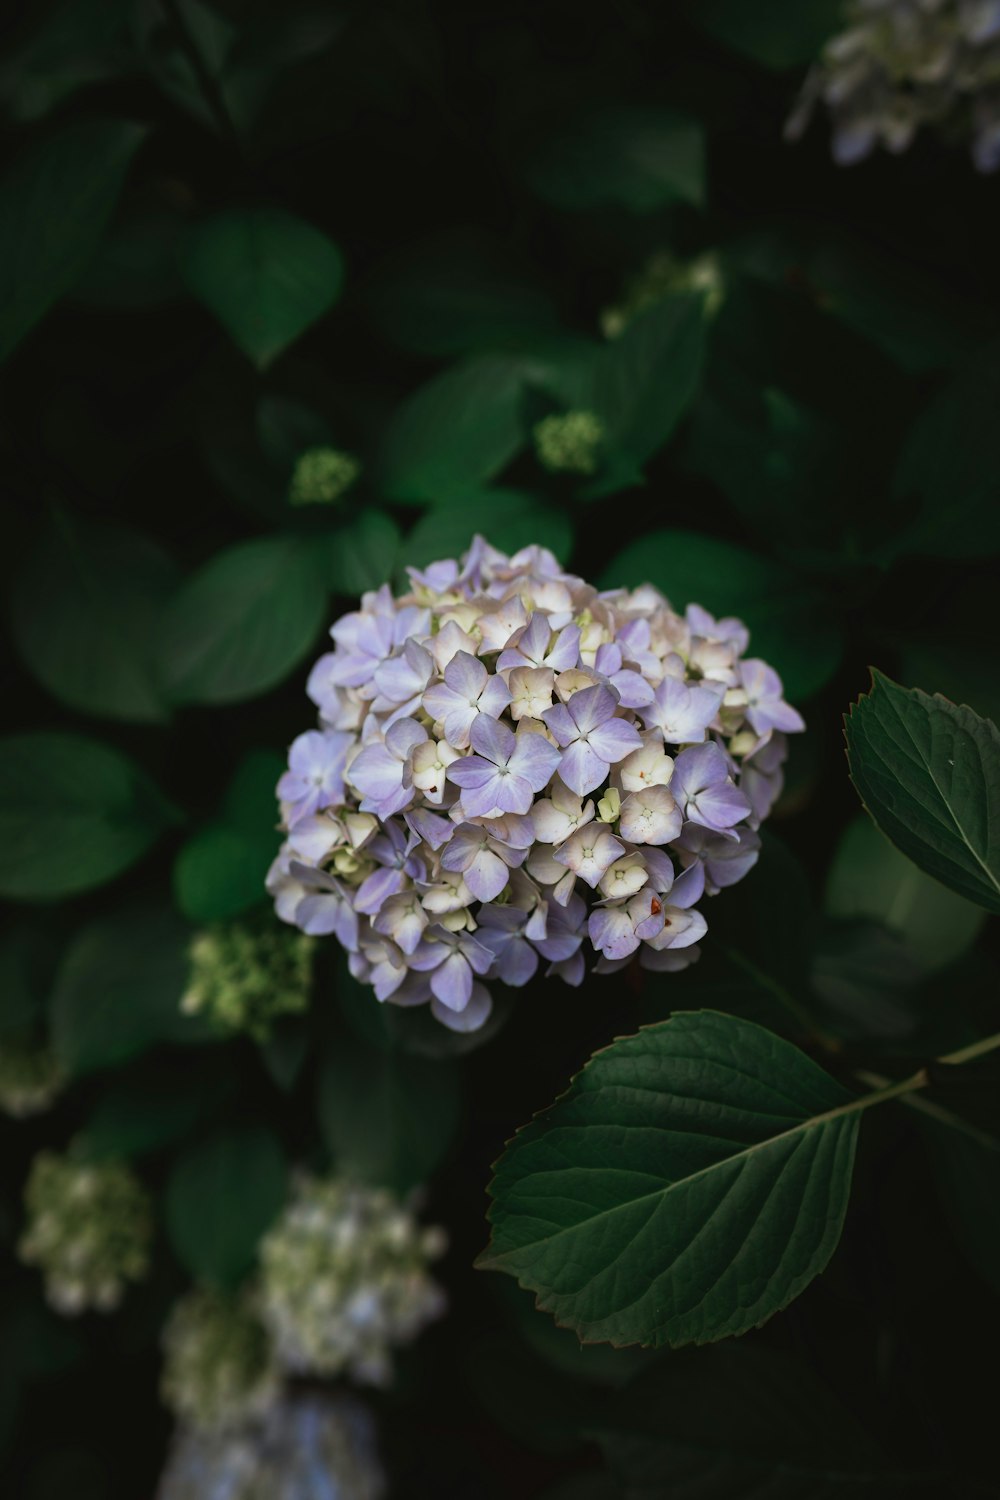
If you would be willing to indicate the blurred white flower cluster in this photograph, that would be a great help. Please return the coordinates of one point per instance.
(88, 1231)
(305, 1447)
(901, 64)
(344, 1280)
(218, 1367)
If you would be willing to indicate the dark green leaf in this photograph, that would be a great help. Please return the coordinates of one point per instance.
(222, 1196)
(219, 873)
(119, 989)
(509, 519)
(457, 296)
(644, 381)
(640, 158)
(266, 275)
(136, 1114)
(387, 1118)
(363, 554)
(779, 34)
(85, 609)
(28, 958)
(73, 814)
(870, 878)
(790, 627)
(968, 1179)
(736, 1421)
(689, 1185)
(284, 1052)
(242, 622)
(929, 774)
(54, 204)
(950, 462)
(455, 433)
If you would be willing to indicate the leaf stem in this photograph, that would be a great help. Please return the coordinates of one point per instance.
(933, 1111)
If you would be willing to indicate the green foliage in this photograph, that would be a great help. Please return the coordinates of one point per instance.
(779, 34)
(219, 872)
(929, 774)
(635, 1224)
(388, 1118)
(54, 204)
(639, 158)
(265, 274)
(789, 625)
(516, 519)
(869, 878)
(453, 434)
(240, 624)
(376, 282)
(950, 462)
(362, 555)
(67, 792)
(222, 1195)
(118, 989)
(641, 385)
(85, 614)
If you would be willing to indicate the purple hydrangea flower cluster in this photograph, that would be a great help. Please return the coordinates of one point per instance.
(513, 770)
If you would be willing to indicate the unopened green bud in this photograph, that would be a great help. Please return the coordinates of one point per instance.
(322, 476)
(570, 442)
(244, 976)
(88, 1230)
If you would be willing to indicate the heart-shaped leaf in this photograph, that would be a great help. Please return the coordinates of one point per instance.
(265, 274)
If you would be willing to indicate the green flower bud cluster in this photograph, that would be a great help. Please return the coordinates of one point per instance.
(304, 1447)
(662, 276)
(88, 1230)
(321, 476)
(244, 976)
(30, 1077)
(570, 442)
(344, 1279)
(218, 1368)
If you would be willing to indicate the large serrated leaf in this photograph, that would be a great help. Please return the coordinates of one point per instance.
(929, 774)
(691, 1182)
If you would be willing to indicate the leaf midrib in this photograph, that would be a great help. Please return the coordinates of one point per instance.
(853, 1106)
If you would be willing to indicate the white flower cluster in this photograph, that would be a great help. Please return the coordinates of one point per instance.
(88, 1230)
(218, 1367)
(512, 768)
(305, 1447)
(901, 64)
(344, 1279)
